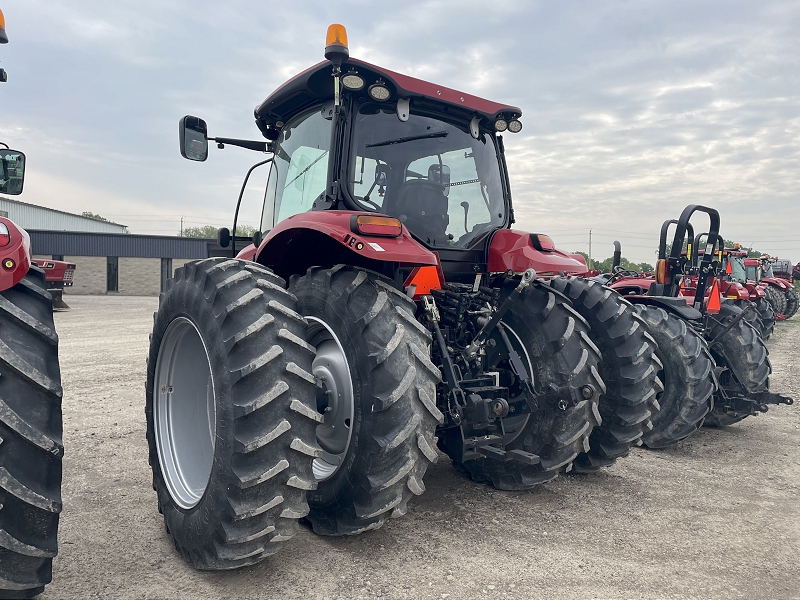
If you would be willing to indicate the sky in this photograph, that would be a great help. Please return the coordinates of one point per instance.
(631, 109)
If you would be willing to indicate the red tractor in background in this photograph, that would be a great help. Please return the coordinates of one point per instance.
(58, 275)
(30, 408)
(386, 308)
(735, 285)
(779, 291)
(687, 286)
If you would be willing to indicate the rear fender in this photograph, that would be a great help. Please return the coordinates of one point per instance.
(512, 250)
(15, 257)
(675, 306)
(325, 238)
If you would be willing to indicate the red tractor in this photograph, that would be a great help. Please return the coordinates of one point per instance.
(385, 309)
(735, 286)
(30, 408)
(779, 291)
(58, 275)
(694, 324)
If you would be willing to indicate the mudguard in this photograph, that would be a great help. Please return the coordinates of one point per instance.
(512, 250)
(320, 237)
(15, 254)
(676, 306)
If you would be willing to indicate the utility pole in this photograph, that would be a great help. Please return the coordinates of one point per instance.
(182, 229)
(590, 248)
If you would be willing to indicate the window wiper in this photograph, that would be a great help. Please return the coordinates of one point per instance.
(403, 140)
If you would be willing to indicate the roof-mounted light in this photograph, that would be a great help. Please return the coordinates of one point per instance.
(515, 126)
(3, 36)
(336, 44)
(500, 125)
(378, 91)
(353, 81)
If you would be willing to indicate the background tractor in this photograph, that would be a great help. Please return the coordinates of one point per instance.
(30, 409)
(385, 309)
(58, 275)
(779, 292)
(741, 365)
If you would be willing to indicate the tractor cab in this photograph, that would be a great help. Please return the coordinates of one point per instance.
(409, 162)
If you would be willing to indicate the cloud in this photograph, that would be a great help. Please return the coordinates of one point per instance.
(631, 109)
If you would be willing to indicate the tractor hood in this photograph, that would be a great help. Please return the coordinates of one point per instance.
(315, 85)
(513, 250)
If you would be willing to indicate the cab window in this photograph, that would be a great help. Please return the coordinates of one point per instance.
(300, 170)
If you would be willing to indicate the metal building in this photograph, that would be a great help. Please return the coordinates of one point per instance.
(31, 216)
(108, 259)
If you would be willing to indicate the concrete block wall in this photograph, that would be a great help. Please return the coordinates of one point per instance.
(90, 275)
(139, 276)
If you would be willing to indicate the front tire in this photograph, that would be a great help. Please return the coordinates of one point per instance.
(744, 354)
(30, 438)
(379, 392)
(767, 318)
(230, 420)
(628, 367)
(687, 376)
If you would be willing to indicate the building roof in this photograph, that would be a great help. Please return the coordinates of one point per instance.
(33, 216)
(69, 243)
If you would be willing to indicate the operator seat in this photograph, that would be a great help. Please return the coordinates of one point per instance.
(422, 207)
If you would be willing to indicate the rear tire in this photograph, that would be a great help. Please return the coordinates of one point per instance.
(743, 351)
(30, 438)
(752, 316)
(556, 339)
(628, 367)
(687, 375)
(791, 302)
(363, 322)
(776, 298)
(230, 415)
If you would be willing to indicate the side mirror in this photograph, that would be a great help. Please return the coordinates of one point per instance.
(194, 138)
(224, 237)
(257, 239)
(12, 172)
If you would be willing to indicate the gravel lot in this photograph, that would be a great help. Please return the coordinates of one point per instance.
(714, 517)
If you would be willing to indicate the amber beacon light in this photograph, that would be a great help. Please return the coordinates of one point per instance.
(336, 43)
(4, 37)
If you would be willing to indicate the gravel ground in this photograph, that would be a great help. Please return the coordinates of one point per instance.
(714, 517)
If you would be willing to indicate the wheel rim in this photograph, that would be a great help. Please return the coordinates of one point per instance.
(184, 412)
(515, 426)
(335, 398)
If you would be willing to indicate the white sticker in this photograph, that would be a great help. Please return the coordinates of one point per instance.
(376, 247)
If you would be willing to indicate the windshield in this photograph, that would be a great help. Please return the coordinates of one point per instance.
(753, 273)
(442, 183)
(738, 272)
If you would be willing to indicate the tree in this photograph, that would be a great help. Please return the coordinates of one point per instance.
(96, 217)
(210, 232)
(604, 266)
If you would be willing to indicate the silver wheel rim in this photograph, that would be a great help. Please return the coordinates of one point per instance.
(185, 412)
(515, 426)
(335, 398)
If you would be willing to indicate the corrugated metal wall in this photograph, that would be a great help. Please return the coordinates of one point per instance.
(30, 216)
(103, 244)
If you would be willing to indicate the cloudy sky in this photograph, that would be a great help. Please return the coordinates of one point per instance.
(632, 109)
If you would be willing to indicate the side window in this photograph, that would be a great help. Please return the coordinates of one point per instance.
(364, 180)
(300, 168)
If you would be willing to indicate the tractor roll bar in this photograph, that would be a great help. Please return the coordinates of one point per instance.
(662, 243)
(617, 256)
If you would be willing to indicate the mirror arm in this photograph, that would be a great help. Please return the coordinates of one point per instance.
(249, 144)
